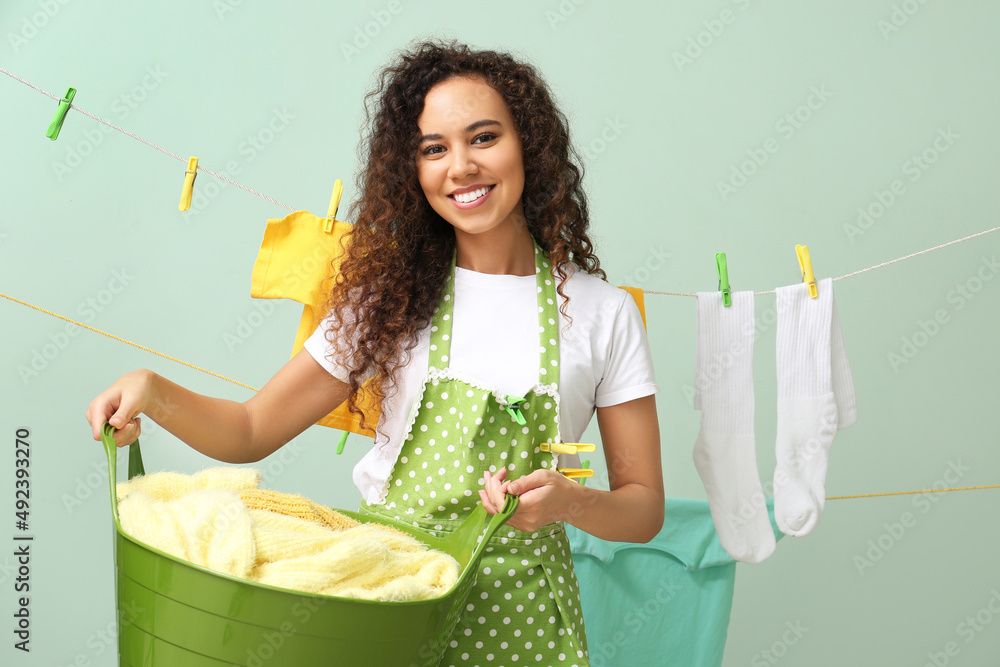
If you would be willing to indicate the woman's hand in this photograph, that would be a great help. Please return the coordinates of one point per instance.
(120, 404)
(544, 497)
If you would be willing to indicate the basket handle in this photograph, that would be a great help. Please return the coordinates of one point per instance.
(497, 520)
(135, 466)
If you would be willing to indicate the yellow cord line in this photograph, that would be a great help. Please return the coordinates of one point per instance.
(223, 377)
(123, 340)
(904, 493)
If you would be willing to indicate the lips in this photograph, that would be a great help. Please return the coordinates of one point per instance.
(485, 191)
(468, 196)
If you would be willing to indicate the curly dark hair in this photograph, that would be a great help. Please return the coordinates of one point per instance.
(398, 254)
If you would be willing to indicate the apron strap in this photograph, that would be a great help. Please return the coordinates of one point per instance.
(548, 319)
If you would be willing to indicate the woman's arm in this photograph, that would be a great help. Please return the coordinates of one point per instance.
(633, 510)
(298, 395)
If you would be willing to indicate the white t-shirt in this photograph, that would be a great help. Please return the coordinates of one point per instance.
(604, 357)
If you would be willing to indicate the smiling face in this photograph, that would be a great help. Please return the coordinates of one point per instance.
(469, 157)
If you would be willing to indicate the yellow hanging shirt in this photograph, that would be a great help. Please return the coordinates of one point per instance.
(298, 255)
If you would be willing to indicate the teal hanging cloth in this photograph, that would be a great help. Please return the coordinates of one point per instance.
(666, 602)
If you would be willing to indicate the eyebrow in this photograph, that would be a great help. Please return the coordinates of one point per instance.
(475, 126)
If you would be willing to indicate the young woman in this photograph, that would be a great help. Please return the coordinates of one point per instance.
(469, 286)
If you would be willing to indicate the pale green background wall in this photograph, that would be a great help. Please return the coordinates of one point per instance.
(224, 68)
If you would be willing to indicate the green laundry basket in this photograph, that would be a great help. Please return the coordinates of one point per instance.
(174, 613)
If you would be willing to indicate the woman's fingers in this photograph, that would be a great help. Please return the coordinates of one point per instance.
(98, 412)
(493, 491)
(120, 406)
(124, 419)
(487, 502)
(129, 433)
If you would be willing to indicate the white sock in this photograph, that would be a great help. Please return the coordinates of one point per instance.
(815, 400)
(724, 451)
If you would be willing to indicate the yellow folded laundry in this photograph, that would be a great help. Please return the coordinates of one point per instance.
(293, 505)
(279, 537)
(170, 485)
(208, 527)
(366, 562)
(219, 519)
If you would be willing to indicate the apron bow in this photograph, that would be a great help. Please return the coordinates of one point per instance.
(512, 403)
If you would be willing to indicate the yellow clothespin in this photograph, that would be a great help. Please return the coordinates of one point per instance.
(575, 473)
(805, 265)
(189, 175)
(331, 214)
(567, 447)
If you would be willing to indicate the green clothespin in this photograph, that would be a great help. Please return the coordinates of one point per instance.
(513, 410)
(57, 120)
(342, 442)
(723, 268)
(585, 464)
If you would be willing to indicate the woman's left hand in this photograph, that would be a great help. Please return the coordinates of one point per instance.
(543, 497)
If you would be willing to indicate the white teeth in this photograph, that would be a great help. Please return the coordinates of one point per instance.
(467, 197)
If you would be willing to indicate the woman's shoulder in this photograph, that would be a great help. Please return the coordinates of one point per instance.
(581, 284)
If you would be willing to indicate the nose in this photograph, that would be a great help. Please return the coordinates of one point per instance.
(462, 164)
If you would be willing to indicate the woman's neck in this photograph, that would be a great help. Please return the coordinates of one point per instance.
(506, 249)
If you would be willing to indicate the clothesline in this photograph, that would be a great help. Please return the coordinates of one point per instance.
(274, 201)
(907, 493)
(125, 340)
(252, 388)
(221, 177)
(278, 203)
(859, 272)
(645, 291)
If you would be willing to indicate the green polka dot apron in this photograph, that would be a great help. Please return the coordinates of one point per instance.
(525, 607)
